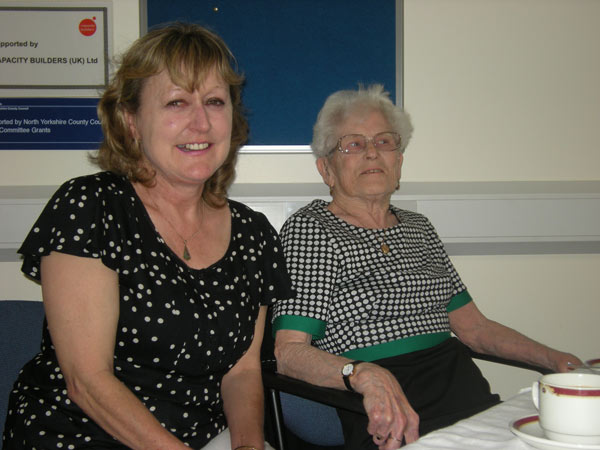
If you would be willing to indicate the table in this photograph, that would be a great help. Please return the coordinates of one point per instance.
(486, 430)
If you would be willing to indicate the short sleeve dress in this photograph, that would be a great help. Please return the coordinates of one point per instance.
(179, 331)
(358, 301)
(389, 307)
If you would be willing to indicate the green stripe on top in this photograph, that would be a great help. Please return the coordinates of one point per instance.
(458, 301)
(399, 347)
(299, 323)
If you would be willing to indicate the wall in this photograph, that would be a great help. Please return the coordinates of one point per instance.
(504, 90)
(499, 90)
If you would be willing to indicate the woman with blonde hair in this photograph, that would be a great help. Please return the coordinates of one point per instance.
(155, 285)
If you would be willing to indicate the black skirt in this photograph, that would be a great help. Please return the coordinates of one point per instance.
(442, 384)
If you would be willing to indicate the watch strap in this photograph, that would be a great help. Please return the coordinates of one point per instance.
(347, 377)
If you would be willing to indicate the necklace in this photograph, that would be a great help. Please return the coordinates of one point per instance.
(186, 252)
(385, 249)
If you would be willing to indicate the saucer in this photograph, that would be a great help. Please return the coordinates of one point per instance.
(529, 430)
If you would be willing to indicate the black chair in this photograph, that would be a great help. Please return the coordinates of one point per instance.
(319, 400)
(20, 339)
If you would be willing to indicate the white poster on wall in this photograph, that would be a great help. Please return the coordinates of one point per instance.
(54, 48)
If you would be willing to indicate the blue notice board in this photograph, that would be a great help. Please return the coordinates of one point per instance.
(49, 124)
(294, 53)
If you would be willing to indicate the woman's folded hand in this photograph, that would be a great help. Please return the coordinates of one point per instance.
(391, 417)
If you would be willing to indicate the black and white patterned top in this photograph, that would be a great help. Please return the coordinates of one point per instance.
(179, 331)
(357, 301)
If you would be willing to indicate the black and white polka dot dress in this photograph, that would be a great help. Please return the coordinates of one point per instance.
(179, 331)
(350, 295)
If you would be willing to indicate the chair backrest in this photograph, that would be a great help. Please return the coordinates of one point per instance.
(20, 338)
(312, 421)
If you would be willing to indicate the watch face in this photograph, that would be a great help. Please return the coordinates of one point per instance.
(348, 369)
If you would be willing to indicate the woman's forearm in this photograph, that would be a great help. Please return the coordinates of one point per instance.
(243, 403)
(490, 337)
(386, 405)
(505, 342)
(308, 363)
(120, 413)
(243, 393)
(499, 340)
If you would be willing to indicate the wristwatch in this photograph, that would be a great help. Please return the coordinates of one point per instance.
(347, 372)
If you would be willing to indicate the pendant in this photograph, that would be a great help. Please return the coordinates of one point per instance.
(186, 252)
(385, 248)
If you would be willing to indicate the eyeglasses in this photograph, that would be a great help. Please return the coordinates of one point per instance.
(353, 144)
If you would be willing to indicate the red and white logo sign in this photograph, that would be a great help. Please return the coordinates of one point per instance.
(87, 27)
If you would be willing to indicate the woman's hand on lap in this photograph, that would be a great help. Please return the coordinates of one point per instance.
(391, 417)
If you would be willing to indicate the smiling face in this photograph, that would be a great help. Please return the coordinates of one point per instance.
(371, 175)
(185, 136)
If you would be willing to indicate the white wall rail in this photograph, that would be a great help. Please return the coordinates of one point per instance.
(471, 218)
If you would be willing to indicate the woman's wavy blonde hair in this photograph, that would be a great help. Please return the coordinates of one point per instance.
(188, 52)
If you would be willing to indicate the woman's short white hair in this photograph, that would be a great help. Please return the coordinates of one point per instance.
(342, 104)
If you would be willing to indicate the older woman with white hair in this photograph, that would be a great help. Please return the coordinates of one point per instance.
(377, 297)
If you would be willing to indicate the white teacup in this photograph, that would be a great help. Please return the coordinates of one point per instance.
(569, 407)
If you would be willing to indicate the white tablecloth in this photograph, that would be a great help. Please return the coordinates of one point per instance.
(486, 430)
